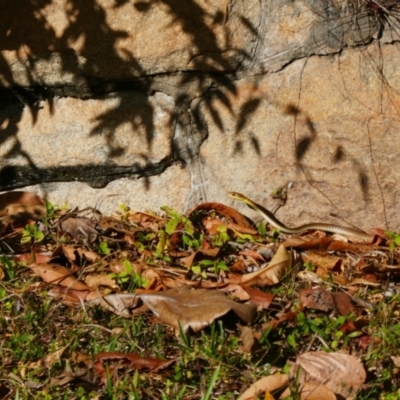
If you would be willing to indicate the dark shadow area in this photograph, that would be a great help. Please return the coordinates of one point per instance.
(95, 175)
(26, 31)
(302, 145)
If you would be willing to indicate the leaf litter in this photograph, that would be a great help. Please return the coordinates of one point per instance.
(307, 302)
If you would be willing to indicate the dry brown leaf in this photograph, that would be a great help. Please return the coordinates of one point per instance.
(252, 254)
(182, 306)
(247, 338)
(91, 256)
(125, 360)
(224, 211)
(317, 299)
(361, 281)
(283, 317)
(148, 221)
(311, 391)
(237, 290)
(69, 252)
(342, 373)
(119, 304)
(194, 309)
(80, 228)
(265, 384)
(322, 299)
(20, 205)
(258, 297)
(57, 274)
(343, 303)
(71, 296)
(396, 361)
(81, 358)
(214, 226)
(188, 261)
(324, 262)
(95, 281)
(272, 273)
(114, 224)
(30, 258)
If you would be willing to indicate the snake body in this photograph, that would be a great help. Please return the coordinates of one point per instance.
(272, 220)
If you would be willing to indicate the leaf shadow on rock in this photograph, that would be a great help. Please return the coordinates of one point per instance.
(35, 40)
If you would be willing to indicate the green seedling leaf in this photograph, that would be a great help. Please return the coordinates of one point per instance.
(103, 248)
(262, 229)
(9, 266)
(50, 209)
(355, 334)
(170, 226)
(161, 243)
(206, 263)
(31, 233)
(292, 341)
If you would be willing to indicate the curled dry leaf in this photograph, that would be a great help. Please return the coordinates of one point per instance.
(258, 297)
(343, 374)
(91, 256)
(120, 304)
(80, 228)
(224, 211)
(72, 296)
(265, 384)
(214, 225)
(69, 252)
(237, 291)
(188, 261)
(272, 273)
(57, 274)
(30, 258)
(95, 281)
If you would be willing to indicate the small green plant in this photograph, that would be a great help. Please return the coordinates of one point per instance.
(129, 274)
(221, 238)
(309, 266)
(50, 209)
(104, 249)
(31, 233)
(262, 229)
(125, 211)
(180, 223)
(8, 265)
(394, 240)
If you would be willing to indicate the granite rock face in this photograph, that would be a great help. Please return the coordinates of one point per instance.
(158, 102)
